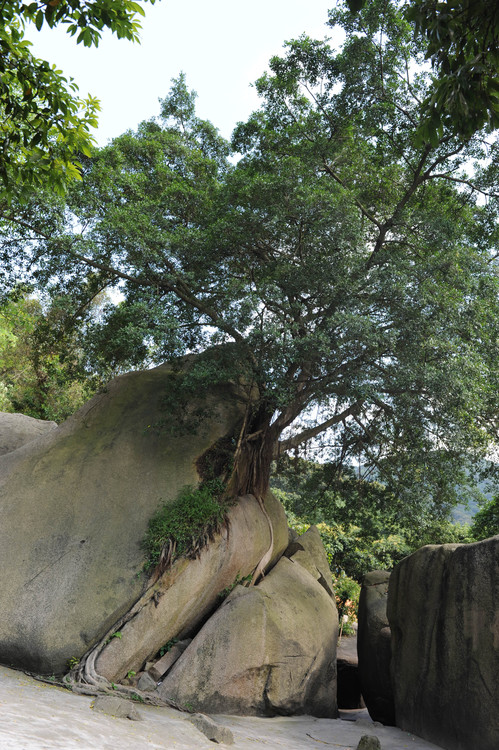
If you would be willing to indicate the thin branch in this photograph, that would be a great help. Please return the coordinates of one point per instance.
(447, 176)
(328, 169)
(384, 228)
(179, 288)
(311, 432)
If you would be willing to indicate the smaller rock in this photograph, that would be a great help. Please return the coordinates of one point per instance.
(213, 731)
(369, 742)
(374, 647)
(308, 550)
(166, 662)
(147, 683)
(112, 705)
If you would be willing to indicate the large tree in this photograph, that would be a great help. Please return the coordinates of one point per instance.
(44, 125)
(349, 269)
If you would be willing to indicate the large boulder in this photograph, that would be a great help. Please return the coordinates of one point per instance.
(75, 505)
(444, 616)
(374, 649)
(190, 590)
(269, 649)
(17, 429)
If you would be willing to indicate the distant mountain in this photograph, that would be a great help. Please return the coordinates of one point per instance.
(463, 513)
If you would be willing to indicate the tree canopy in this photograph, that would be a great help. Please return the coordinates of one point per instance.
(341, 268)
(461, 39)
(44, 126)
(463, 45)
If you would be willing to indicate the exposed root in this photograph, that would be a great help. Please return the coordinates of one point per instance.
(74, 682)
(84, 679)
(260, 568)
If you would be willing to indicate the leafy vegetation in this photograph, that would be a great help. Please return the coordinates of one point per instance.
(486, 521)
(363, 525)
(42, 365)
(463, 45)
(168, 646)
(44, 125)
(185, 525)
(347, 592)
(461, 39)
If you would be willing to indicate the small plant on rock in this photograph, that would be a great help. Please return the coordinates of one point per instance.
(238, 581)
(72, 662)
(186, 525)
(168, 646)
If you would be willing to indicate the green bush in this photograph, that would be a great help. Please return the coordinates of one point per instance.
(184, 526)
(486, 521)
(347, 592)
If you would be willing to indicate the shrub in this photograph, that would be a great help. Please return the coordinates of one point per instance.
(183, 527)
(347, 592)
(486, 521)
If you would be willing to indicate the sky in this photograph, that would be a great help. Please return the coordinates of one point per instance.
(222, 46)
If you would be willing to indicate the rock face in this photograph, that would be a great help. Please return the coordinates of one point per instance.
(374, 649)
(75, 505)
(17, 429)
(269, 649)
(444, 616)
(188, 593)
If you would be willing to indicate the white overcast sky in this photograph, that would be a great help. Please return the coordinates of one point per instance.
(222, 46)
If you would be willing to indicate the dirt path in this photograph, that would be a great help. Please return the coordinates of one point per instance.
(37, 716)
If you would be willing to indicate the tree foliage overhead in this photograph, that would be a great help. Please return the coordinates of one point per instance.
(461, 39)
(44, 126)
(463, 45)
(350, 267)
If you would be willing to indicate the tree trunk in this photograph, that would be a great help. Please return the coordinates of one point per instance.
(253, 456)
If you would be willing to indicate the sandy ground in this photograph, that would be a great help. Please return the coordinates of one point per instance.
(37, 716)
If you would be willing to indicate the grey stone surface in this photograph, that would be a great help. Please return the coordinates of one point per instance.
(17, 429)
(444, 616)
(75, 506)
(269, 649)
(26, 704)
(146, 682)
(120, 708)
(213, 731)
(373, 647)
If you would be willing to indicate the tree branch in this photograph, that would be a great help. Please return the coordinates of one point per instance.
(311, 432)
(180, 288)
